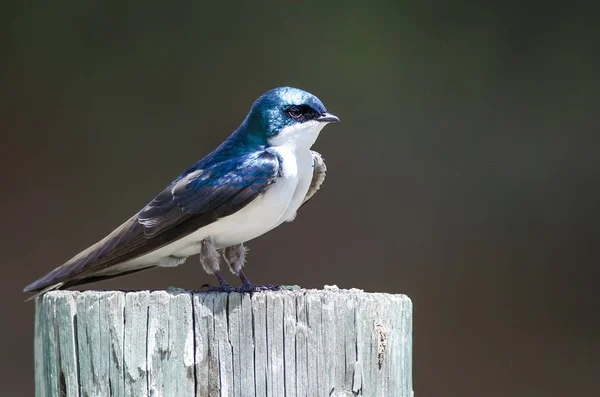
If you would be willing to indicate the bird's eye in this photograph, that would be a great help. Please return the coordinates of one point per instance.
(295, 112)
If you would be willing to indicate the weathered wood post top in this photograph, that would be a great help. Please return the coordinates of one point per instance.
(309, 343)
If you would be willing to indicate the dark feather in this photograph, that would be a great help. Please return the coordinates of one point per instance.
(210, 190)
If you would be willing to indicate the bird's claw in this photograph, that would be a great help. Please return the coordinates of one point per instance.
(217, 288)
(246, 288)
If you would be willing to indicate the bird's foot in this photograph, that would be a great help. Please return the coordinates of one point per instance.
(216, 288)
(244, 289)
(249, 288)
(223, 287)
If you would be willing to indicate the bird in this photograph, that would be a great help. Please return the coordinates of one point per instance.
(253, 182)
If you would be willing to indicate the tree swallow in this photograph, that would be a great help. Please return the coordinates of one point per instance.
(253, 182)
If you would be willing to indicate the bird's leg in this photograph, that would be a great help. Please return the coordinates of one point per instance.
(209, 258)
(235, 257)
(225, 287)
(247, 286)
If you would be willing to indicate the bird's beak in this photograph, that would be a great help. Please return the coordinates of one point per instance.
(328, 118)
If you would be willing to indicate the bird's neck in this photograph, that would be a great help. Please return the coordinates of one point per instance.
(295, 137)
(246, 141)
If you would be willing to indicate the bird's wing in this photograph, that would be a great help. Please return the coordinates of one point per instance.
(319, 171)
(196, 199)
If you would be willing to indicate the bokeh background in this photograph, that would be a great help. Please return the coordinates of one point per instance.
(465, 172)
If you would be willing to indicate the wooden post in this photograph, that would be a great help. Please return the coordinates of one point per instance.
(309, 343)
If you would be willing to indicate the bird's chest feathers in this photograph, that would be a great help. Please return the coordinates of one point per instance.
(273, 207)
(295, 163)
(296, 174)
(277, 204)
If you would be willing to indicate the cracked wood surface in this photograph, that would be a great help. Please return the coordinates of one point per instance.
(302, 343)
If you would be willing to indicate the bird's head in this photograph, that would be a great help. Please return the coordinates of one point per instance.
(287, 116)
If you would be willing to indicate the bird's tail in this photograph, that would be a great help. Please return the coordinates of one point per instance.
(41, 292)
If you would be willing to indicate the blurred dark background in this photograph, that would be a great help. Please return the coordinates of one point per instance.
(465, 172)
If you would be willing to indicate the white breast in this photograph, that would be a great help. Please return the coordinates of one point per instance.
(276, 205)
(264, 213)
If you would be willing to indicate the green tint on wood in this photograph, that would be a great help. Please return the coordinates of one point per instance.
(303, 343)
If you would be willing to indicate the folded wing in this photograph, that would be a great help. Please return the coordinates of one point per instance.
(196, 199)
(319, 172)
